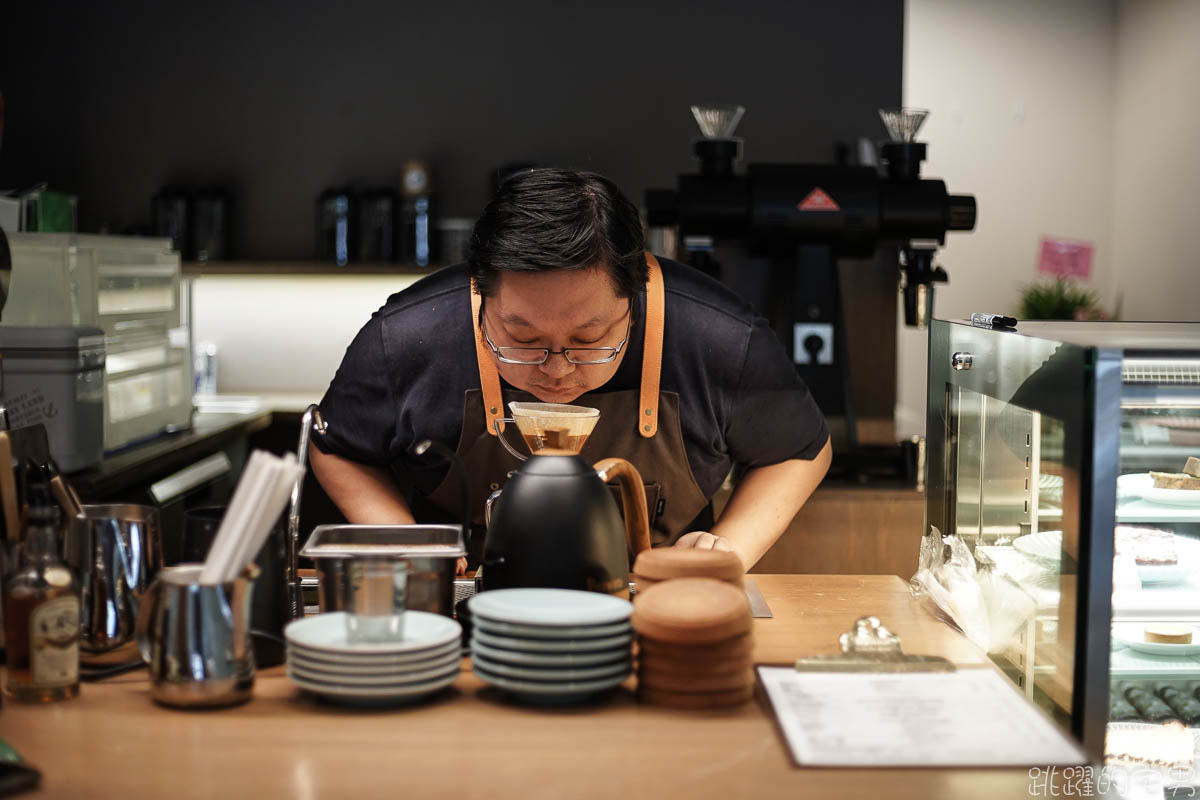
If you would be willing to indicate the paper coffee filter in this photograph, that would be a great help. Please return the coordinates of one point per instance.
(534, 419)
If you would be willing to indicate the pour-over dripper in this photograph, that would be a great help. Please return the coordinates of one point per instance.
(903, 123)
(558, 427)
(718, 122)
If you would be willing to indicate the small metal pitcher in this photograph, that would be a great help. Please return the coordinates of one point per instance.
(268, 611)
(116, 551)
(196, 638)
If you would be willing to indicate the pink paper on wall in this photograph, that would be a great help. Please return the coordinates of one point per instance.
(1065, 258)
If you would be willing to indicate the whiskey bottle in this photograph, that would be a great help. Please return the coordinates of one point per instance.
(41, 605)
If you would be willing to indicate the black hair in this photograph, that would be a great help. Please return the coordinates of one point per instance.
(549, 219)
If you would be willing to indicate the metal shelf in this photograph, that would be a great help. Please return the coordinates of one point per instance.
(301, 267)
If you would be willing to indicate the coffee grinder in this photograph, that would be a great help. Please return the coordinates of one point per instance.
(820, 250)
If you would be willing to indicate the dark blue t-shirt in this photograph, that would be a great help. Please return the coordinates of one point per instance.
(404, 375)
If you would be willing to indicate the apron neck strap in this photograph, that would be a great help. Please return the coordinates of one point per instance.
(489, 379)
(647, 422)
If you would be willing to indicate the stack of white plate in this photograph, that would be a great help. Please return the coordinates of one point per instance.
(320, 660)
(551, 645)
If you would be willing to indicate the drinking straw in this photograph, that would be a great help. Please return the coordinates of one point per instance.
(224, 548)
(282, 475)
(243, 549)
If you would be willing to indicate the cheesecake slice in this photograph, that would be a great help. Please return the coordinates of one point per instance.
(1175, 480)
(1167, 634)
(1148, 546)
(1168, 745)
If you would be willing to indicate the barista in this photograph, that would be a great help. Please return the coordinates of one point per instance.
(558, 303)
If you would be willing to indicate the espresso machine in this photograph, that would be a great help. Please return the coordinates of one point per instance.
(820, 250)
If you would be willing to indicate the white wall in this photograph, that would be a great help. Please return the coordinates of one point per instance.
(1156, 159)
(284, 334)
(1021, 94)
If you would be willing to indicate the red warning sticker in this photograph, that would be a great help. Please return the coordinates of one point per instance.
(818, 200)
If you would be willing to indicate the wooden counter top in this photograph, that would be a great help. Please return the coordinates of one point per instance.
(470, 741)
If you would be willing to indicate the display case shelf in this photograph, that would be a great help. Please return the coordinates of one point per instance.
(1127, 664)
(1145, 511)
(1157, 603)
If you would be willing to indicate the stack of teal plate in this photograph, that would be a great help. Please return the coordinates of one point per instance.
(551, 645)
(322, 662)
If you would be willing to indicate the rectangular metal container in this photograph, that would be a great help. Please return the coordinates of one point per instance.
(432, 553)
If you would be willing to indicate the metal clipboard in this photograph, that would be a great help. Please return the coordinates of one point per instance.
(870, 647)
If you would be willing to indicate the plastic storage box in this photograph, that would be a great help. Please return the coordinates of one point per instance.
(117, 283)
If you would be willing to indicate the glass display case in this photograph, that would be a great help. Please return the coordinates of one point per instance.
(1066, 456)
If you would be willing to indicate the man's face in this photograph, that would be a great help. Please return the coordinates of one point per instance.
(567, 308)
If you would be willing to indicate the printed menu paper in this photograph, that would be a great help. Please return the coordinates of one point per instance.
(972, 717)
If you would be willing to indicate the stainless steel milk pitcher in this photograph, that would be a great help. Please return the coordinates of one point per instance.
(116, 551)
(196, 638)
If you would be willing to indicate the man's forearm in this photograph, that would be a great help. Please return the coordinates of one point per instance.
(765, 501)
(365, 495)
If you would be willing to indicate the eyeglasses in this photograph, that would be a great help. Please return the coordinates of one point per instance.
(530, 356)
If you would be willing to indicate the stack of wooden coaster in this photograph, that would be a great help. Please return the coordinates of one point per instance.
(666, 563)
(695, 647)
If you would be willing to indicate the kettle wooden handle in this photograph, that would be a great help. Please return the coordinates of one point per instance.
(633, 500)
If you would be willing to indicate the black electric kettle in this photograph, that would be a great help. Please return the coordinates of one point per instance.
(556, 525)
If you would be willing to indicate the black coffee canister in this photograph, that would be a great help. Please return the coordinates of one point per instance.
(377, 225)
(172, 211)
(268, 611)
(210, 225)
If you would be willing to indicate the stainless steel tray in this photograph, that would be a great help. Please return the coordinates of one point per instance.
(385, 541)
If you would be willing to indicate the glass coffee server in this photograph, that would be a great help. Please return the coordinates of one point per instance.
(1066, 456)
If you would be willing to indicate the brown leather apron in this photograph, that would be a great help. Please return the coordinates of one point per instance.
(640, 426)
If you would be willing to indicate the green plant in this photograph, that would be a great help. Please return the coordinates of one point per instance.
(1058, 299)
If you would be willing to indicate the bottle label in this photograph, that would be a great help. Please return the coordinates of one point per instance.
(54, 642)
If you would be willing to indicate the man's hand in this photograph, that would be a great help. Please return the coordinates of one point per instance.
(765, 501)
(703, 540)
(461, 567)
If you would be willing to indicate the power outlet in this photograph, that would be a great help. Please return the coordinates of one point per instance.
(805, 338)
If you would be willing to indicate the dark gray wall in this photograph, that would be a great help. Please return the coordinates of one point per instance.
(281, 99)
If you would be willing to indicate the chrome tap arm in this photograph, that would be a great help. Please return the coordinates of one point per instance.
(312, 420)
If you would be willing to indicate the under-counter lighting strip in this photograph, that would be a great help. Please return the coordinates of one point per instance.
(188, 478)
(1190, 402)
